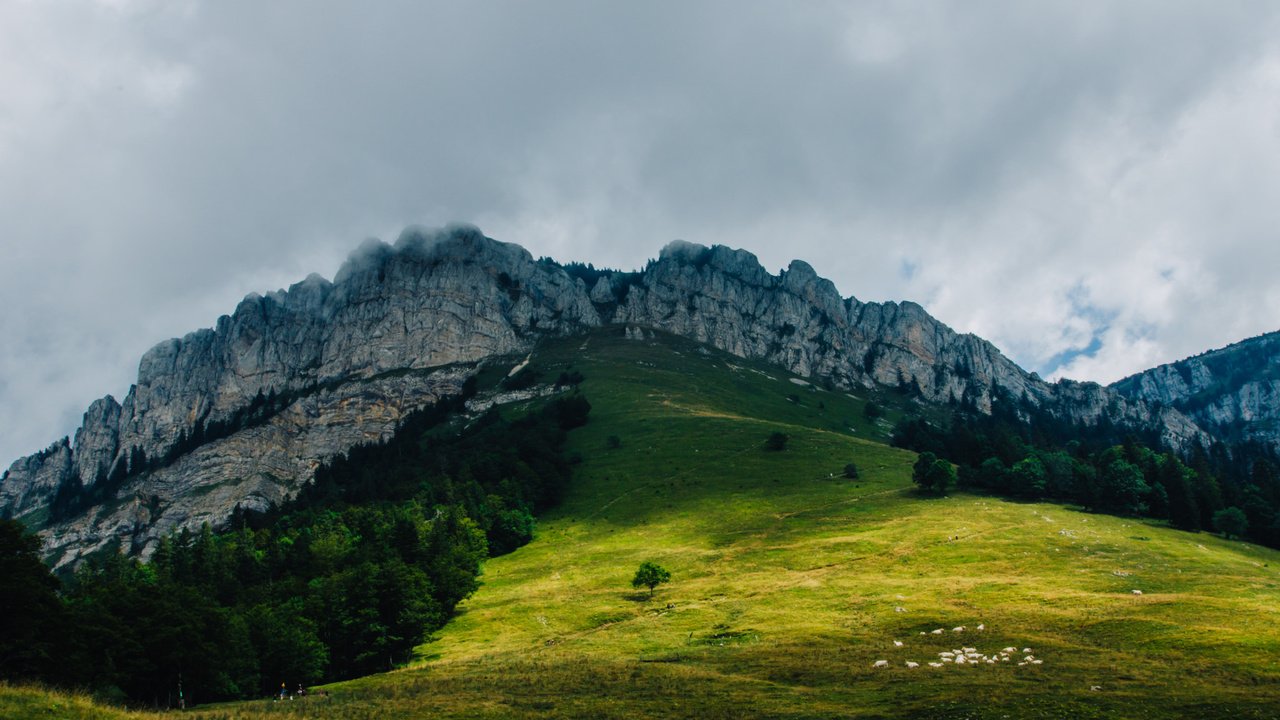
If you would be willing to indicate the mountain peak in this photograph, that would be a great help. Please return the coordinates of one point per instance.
(242, 414)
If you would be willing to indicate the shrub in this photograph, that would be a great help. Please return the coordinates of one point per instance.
(777, 441)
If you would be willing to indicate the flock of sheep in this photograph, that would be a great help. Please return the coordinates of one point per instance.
(969, 655)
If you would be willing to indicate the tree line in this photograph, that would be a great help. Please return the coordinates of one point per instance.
(344, 580)
(1234, 489)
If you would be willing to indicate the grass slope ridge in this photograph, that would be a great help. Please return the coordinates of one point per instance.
(790, 582)
(33, 702)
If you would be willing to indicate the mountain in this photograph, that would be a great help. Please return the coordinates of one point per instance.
(1233, 392)
(242, 414)
(789, 581)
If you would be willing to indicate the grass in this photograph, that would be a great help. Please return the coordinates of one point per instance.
(789, 581)
(36, 702)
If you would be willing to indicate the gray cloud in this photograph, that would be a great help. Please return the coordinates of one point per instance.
(1091, 186)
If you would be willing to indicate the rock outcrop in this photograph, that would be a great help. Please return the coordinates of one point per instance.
(433, 300)
(241, 414)
(799, 321)
(1233, 392)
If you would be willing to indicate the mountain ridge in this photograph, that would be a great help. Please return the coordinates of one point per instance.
(1232, 391)
(328, 365)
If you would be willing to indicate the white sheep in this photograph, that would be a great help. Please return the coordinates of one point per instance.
(911, 664)
(937, 632)
(968, 650)
(935, 664)
(1010, 650)
(1026, 650)
(897, 643)
(881, 663)
(958, 629)
(899, 609)
(982, 627)
(1137, 592)
(960, 660)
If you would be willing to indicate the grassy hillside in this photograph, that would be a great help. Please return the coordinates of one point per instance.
(789, 582)
(37, 703)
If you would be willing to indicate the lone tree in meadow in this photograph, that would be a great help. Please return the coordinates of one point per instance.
(777, 441)
(650, 575)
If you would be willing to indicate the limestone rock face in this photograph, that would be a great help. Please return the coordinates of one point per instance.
(798, 320)
(434, 299)
(30, 483)
(1232, 392)
(243, 413)
(255, 468)
(98, 440)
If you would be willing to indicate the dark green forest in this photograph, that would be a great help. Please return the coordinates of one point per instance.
(1020, 452)
(344, 580)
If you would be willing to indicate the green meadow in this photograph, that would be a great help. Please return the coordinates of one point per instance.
(789, 581)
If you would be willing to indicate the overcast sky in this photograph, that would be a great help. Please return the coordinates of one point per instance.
(1094, 187)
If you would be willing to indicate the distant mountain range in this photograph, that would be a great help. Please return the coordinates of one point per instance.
(242, 414)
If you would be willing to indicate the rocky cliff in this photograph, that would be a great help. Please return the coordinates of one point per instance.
(243, 413)
(799, 321)
(317, 360)
(1232, 392)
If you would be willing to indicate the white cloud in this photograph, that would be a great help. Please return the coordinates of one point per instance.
(1092, 185)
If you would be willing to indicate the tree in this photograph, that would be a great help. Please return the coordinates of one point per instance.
(1121, 488)
(1178, 481)
(30, 611)
(650, 575)
(569, 412)
(1060, 474)
(1028, 476)
(872, 411)
(1231, 522)
(851, 471)
(777, 441)
(920, 474)
(991, 474)
(944, 476)
(933, 474)
(511, 530)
